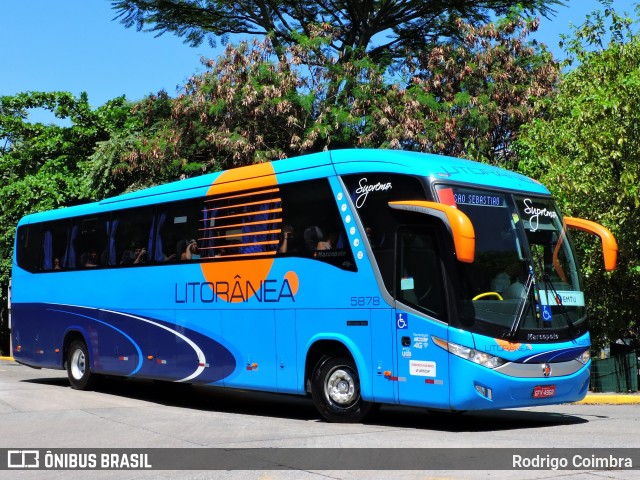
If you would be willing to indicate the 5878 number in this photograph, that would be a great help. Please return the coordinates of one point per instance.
(365, 301)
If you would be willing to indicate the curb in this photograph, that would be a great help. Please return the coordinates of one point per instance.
(7, 358)
(610, 399)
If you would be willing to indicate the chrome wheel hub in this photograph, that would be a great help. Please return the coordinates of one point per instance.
(78, 364)
(340, 387)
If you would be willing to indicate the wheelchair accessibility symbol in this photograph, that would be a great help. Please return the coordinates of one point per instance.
(402, 323)
(546, 314)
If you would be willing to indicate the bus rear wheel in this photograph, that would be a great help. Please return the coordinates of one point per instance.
(335, 389)
(78, 370)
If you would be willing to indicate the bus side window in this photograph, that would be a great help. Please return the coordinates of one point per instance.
(54, 245)
(176, 224)
(88, 245)
(311, 214)
(29, 247)
(131, 237)
(420, 276)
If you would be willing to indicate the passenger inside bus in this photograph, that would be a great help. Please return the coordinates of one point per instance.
(188, 250)
(314, 239)
(288, 240)
(89, 259)
(510, 282)
(135, 256)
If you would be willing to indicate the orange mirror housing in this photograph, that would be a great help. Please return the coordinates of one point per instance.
(609, 244)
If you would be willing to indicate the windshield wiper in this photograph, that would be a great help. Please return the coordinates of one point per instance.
(522, 306)
(549, 284)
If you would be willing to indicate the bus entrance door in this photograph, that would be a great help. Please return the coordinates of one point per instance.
(423, 368)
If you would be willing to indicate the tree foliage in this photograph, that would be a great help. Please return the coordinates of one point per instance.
(467, 98)
(385, 29)
(586, 148)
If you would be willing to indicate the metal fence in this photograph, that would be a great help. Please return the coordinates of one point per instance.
(616, 374)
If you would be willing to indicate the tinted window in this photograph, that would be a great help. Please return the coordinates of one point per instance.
(421, 284)
(371, 194)
(54, 245)
(312, 226)
(64, 244)
(178, 231)
(300, 219)
(29, 247)
(131, 236)
(88, 246)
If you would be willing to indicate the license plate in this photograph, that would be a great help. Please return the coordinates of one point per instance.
(545, 391)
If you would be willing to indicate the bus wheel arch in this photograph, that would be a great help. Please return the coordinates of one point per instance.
(77, 362)
(333, 380)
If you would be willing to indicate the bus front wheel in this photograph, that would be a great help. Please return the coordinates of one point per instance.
(78, 369)
(335, 389)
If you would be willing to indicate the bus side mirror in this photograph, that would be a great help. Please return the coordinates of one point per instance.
(609, 244)
(460, 226)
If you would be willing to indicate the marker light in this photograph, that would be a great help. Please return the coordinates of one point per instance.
(481, 358)
(484, 391)
(585, 357)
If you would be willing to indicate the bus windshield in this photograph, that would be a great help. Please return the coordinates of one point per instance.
(524, 277)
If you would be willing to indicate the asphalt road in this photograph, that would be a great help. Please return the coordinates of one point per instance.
(38, 409)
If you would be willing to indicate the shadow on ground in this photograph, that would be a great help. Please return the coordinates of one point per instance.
(245, 402)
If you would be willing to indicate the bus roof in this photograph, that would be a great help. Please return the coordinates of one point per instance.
(317, 165)
(436, 167)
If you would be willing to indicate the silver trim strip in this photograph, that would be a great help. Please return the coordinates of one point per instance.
(535, 370)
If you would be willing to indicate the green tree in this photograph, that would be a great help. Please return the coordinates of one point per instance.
(586, 148)
(385, 29)
(469, 97)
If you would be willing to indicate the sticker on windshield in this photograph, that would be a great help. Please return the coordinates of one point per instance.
(406, 283)
(568, 298)
(547, 316)
(446, 197)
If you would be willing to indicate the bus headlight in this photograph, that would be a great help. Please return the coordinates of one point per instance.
(481, 358)
(585, 357)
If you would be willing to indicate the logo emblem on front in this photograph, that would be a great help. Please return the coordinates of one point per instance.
(546, 369)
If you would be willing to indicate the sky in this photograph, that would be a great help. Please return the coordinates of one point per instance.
(76, 46)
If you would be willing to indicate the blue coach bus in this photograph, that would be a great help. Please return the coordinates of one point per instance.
(358, 277)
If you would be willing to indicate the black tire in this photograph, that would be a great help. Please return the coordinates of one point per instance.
(335, 389)
(78, 368)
